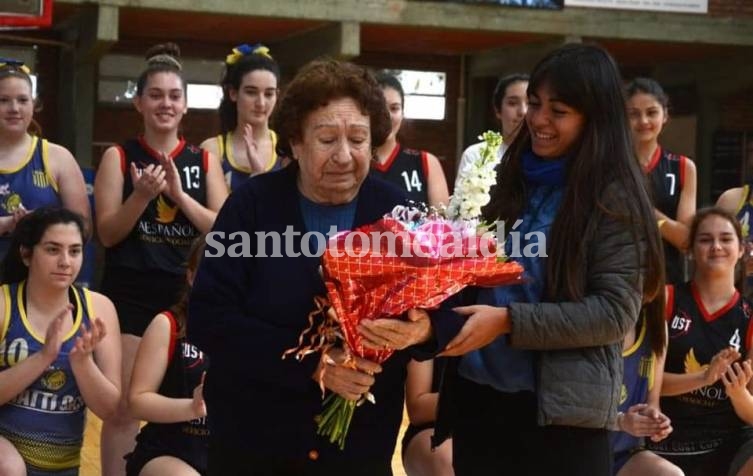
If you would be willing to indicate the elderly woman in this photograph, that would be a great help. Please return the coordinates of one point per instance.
(245, 311)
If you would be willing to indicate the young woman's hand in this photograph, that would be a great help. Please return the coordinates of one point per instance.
(642, 420)
(88, 339)
(148, 182)
(173, 186)
(719, 364)
(53, 338)
(736, 378)
(484, 324)
(8, 223)
(255, 159)
(198, 404)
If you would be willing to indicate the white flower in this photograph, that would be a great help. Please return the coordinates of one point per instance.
(472, 190)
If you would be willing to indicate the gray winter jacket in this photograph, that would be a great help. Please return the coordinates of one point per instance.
(579, 372)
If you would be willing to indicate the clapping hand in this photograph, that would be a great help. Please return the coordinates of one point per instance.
(53, 338)
(736, 378)
(173, 187)
(719, 364)
(149, 181)
(88, 339)
(255, 159)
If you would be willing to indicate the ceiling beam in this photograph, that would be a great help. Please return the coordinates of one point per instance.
(512, 59)
(340, 40)
(585, 22)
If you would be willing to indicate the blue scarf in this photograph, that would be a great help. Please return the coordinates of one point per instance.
(539, 171)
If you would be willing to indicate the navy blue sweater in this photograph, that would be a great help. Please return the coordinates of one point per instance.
(245, 312)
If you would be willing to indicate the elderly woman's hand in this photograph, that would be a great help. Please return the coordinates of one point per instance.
(396, 334)
(351, 379)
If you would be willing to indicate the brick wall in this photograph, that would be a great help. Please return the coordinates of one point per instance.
(736, 111)
(438, 137)
(731, 8)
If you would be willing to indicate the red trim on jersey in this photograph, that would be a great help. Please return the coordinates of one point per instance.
(683, 160)
(708, 317)
(654, 160)
(205, 160)
(388, 163)
(173, 335)
(670, 306)
(425, 164)
(749, 336)
(121, 152)
(173, 154)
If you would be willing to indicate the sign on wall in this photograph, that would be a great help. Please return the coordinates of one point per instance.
(683, 6)
(551, 4)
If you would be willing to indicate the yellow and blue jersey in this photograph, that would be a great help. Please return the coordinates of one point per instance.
(31, 185)
(235, 174)
(45, 422)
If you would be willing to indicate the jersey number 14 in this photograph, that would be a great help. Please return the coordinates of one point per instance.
(412, 182)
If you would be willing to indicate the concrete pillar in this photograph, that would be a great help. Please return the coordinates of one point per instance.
(93, 32)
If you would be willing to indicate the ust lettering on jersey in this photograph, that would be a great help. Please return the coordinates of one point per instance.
(680, 324)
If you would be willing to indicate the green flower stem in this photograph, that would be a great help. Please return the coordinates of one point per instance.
(334, 421)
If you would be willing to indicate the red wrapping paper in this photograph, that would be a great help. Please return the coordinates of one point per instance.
(377, 285)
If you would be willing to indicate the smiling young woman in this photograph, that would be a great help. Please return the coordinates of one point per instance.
(672, 176)
(541, 362)
(154, 195)
(707, 389)
(33, 171)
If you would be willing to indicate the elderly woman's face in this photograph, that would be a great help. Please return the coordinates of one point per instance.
(334, 152)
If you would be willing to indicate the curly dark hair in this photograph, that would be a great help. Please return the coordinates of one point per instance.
(320, 82)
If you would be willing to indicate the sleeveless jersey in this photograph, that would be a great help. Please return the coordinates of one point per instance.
(704, 418)
(45, 422)
(408, 169)
(637, 381)
(190, 439)
(162, 236)
(31, 185)
(235, 174)
(666, 174)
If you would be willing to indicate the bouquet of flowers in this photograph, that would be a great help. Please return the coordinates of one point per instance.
(409, 259)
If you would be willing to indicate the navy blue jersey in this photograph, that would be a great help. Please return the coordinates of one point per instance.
(188, 439)
(408, 169)
(666, 174)
(162, 236)
(704, 419)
